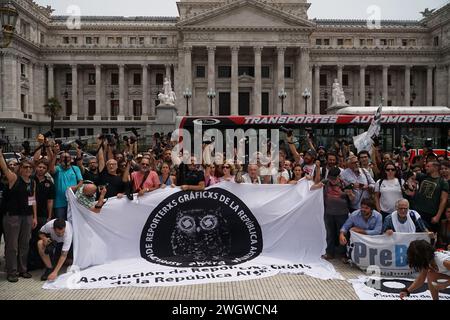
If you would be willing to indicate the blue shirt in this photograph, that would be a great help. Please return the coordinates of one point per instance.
(372, 226)
(64, 179)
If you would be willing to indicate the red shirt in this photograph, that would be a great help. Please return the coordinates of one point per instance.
(152, 180)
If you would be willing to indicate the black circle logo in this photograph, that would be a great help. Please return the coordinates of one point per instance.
(199, 229)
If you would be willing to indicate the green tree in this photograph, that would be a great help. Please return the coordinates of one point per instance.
(52, 109)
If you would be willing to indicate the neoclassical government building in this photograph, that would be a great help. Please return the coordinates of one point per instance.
(107, 71)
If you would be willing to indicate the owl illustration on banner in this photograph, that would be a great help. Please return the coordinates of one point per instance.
(201, 234)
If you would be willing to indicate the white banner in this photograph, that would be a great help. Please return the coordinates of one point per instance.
(229, 232)
(385, 255)
(376, 288)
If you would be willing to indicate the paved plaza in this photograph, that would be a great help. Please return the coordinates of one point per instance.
(280, 287)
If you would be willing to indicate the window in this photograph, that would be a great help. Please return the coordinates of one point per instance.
(224, 72)
(26, 132)
(119, 40)
(132, 40)
(265, 103)
(114, 79)
(22, 70)
(362, 42)
(391, 42)
(367, 103)
(404, 42)
(88, 40)
(288, 72)
(92, 40)
(110, 40)
(159, 79)
(389, 103)
(412, 42)
(65, 40)
(323, 80)
(318, 42)
(90, 131)
(326, 42)
(68, 79)
(345, 80)
(200, 72)
(265, 72)
(114, 108)
(370, 42)
(91, 80)
(383, 42)
(154, 40)
(81, 132)
(66, 132)
(163, 40)
(348, 42)
(68, 108)
(57, 133)
(246, 70)
(22, 103)
(367, 80)
(389, 80)
(137, 108)
(436, 41)
(74, 40)
(137, 79)
(91, 108)
(411, 79)
(340, 42)
(42, 38)
(141, 40)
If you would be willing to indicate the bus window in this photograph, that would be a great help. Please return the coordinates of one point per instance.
(419, 134)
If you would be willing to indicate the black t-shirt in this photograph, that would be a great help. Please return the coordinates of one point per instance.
(114, 184)
(88, 175)
(45, 190)
(194, 177)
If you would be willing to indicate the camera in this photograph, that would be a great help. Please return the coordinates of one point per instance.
(109, 137)
(80, 144)
(26, 147)
(289, 132)
(65, 147)
(133, 139)
(351, 186)
(134, 130)
(130, 157)
(48, 134)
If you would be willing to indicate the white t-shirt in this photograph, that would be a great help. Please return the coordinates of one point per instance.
(390, 191)
(66, 239)
(439, 258)
(309, 169)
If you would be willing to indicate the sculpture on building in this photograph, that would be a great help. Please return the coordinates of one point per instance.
(338, 95)
(168, 97)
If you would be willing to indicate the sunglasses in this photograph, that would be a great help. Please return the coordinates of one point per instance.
(226, 167)
(390, 169)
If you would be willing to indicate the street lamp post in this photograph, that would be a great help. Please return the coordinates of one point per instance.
(211, 95)
(306, 96)
(8, 19)
(282, 95)
(187, 94)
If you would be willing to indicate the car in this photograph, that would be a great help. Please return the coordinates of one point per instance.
(86, 156)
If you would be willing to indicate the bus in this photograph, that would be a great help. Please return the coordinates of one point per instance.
(417, 123)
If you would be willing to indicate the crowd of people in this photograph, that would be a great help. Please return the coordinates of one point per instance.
(371, 193)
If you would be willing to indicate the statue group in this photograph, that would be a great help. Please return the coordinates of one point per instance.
(338, 95)
(168, 97)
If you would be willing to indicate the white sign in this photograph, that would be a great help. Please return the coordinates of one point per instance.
(229, 232)
(385, 255)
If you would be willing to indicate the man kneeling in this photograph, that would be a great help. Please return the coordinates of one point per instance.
(54, 245)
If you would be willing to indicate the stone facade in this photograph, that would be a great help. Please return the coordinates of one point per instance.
(108, 73)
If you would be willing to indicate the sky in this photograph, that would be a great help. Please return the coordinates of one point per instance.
(322, 9)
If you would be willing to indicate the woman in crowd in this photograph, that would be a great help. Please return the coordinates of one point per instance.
(388, 190)
(165, 178)
(297, 174)
(228, 172)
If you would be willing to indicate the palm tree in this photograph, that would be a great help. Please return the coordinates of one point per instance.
(52, 109)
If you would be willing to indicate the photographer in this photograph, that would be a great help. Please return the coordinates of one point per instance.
(20, 217)
(65, 176)
(109, 177)
(86, 195)
(54, 246)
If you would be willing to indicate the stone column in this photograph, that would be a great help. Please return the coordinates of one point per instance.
(121, 91)
(448, 85)
(385, 85)
(31, 90)
(212, 73)
(407, 85)
(188, 68)
(362, 85)
(316, 89)
(10, 82)
(258, 82)
(168, 72)
(430, 85)
(306, 82)
(51, 81)
(19, 85)
(145, 89)
(74, 90)
(340, 68)
(234, 80)
(280, 76)
(98, 89)
(310, 81)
